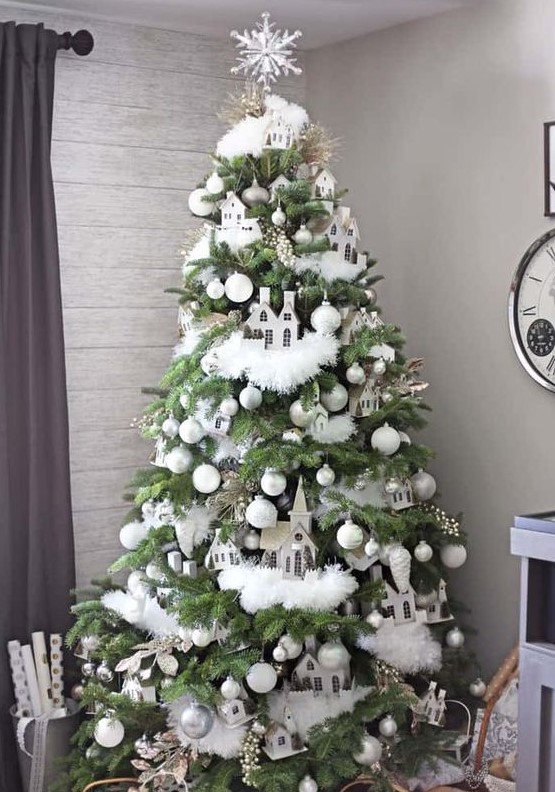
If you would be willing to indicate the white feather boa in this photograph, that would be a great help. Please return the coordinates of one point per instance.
(409, 647)
(144, 612)
(329, 265)
(339, 429)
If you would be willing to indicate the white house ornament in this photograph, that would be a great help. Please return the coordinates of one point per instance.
(206, 479)
(170, 427)
(250, 397)
(196, 720)
(132, 534)
(423, 552)
(453, 556)
(230, 688)
(198, 205)
(215, 289)
(336, 399)
(455, 638)
(349, 535)
(255, 195)
(325, 476)
(388, 726)
(191, 431)
(229, 406)
(308, 784)
(303, 236)
(333, 655)
(399, 563)
(375, 619)
(238, 287)
(325, 318)
(477, 688)
(279, 218)
(385, 439)
(299, 416)
(215, 184)
(355, 374)
(179, 459)
(423, 485)
(371, 751)
(251, 540)
(261, 513)
(273, 482)
(261, 677)
(109, 732)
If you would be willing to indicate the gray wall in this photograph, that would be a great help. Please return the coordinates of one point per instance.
(441, 124)
(132, 124)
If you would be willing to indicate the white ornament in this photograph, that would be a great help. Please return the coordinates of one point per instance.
(251, 540)
(424, 599)
(255, 195)
(229, 407)
(215, 289)
(273, 482)
(279, 218)
(90, 643)
(375, 619)
(325, 318)
(215, 184)
(170, 427)
(206, 479)
(109, 732)
(250, 397)
(385, 439)
(191, 431)
(299, 416)
(399, 562)
(196, 720)
(423, 552)
(303, 236)
(238, 287)
(261, 677)
(372, 547)
(325, 476)
(455, 638)
(153, 571)
(355, 374)
(261, 513)
(391, 486)
(209, 363)
(230, 688)
(388, 726)
(333, 655)
(179, 459)
(292, 647)
(477, 688)
(201, 637)
(335, 399)
(198, 206)
(132, 534)
(350, 535)
(136, 583)
(371, 751)
(379, 367)
(423, 485)
(453, 556)
(308, 784)
(280, 653)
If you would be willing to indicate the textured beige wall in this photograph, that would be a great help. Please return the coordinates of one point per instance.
(441, 122)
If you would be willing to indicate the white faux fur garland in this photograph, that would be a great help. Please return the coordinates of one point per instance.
(329, 265)
(279, 370)
(308, 709)
(261, 587)
(220, 740)
(193, 528)
(144, 612)
(409, 647)
(339, 429)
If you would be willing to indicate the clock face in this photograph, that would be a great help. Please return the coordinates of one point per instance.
(532, 310)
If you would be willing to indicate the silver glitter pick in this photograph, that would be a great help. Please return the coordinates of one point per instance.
(265, 52)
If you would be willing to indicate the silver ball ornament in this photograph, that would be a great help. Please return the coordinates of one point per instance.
(109, 732)
(191, 431)
(273, 482)
(385, 439)
(238, 287)
(423, 485)
(153, 571)
(229, 406)
(379, 367)
(77, 692)
(355, 374)
(303, 236)
(279, 218)
(371, 295)
(258, 728)
(250, 397)
(423, 552)
(206, 479)
(455, 638)
(251, 540)
(198, 206)
(261, 677)
(308, 784)
(375, 619)
(336, 399)
(179, 460)
(392, 485)
(196, 720)
(261, 513)
(372, 547)
(280, 653)
(230, 688)
(255, 195)
(88, 670)
(386, 396)
(215, 289)
(477, 688)
(170, 427)
(325, 476)
(405, 438)
(104, 673)
(299, 416)
(371, 751)
(453, 556)
(325, 318)
(215, 184)
(388, 726)
(292, 647)
(349, 535)
(333, 655)
(424, 599)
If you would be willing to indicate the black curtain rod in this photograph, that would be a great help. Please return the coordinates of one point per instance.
(81, 43)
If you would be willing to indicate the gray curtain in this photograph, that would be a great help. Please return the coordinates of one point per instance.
(36, 536)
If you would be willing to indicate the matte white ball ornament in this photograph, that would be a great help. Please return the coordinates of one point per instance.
(191, 431)
(109, 732)
(250, 397)
(279, 218)
(238, 287)
(179, 459)
(453, 556)
(251, 540)
(372, 547)
(355, 374)
(388, 726)
(280, 653)
(455, 638)
(350, 535)
(215, 289)
(379, 367)
(335, 399)
(423, 552)
(477, 688)
(255, 195)
(325, 318)
(375, 619)
(202, 637)
(196, 720)
(299, 416)
(229, 406)
(261, 677)
(261, 513)
(273, 482)
(325, 476)
(385, 439)
(371, 751)
(206, 479)
(303, 236)
(170, 427)
(292, 647)
(215, 184)
(198, 206)
(230, 688)
(423, 485)
(153, 571)
(132, 534)
(333, 655)
(308, 784)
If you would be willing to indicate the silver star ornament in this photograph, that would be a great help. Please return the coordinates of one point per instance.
(265, 52)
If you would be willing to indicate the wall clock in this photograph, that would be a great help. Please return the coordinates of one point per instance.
(532, 310)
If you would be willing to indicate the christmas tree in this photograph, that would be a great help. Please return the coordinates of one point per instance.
(285, 623)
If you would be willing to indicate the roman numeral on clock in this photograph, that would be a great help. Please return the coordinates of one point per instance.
(529, 311)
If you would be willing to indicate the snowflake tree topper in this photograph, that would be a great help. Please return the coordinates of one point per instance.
(265, 52)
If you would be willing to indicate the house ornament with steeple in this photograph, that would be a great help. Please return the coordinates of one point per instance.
(288, 547)
(364, 399)
(277, 331)
(343, 235)
(431, 706)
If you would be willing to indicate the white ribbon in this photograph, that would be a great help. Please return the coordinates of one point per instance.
(38, 755)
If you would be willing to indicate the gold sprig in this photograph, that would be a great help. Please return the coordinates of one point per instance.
(448, 525)
(245, 101)
(316, 146)
(232, 498)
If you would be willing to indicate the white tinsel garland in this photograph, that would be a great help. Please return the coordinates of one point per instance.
(329, 265)
(142, 611)
(279, 370)
(408, 647)
(339, 429)
(262, 587)
(308, 709)
(220, 740)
